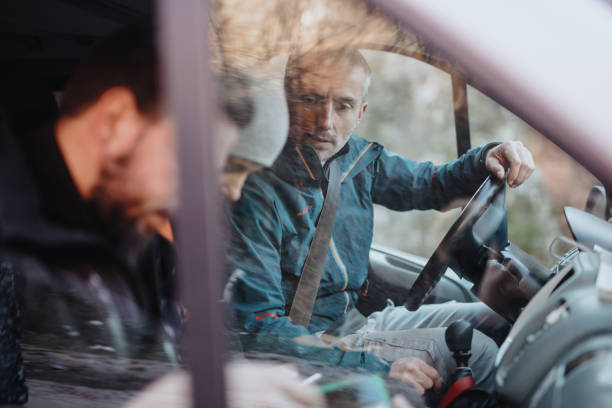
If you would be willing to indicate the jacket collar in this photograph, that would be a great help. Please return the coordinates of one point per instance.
(300, 164)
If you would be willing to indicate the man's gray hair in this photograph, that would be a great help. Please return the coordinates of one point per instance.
(346, 55)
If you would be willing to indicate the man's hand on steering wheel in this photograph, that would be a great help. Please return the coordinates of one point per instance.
(512, 155)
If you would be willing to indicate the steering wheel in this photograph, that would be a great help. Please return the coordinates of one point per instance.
(462, 244)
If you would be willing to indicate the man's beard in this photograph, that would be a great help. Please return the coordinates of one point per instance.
(121, 231)
(112, 214)
(298, 136)
(113, 205)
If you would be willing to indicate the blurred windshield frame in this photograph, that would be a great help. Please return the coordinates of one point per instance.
(183, 38)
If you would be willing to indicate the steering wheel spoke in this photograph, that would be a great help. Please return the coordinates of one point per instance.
(461, 244)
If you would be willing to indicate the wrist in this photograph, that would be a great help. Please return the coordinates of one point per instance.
(485, 152)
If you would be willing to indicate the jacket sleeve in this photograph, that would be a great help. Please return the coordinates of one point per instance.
(257, 299)
(401, 184)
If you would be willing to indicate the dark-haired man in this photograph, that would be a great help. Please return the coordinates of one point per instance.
(274, 223)
(80, 203)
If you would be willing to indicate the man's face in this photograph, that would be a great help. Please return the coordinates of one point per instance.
(140, 188)
(325, 105)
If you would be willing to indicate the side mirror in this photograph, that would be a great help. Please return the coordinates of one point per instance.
(597, 202)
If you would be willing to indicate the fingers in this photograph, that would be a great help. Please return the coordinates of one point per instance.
(432, 373)
(416, 372)
(513, 159)
(498, 170)
(527, 165)
(513, 155)
(403, 370)
(407, 378)
(423, 379)
(495, 162)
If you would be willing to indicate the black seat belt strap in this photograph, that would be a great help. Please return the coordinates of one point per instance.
(306, 292)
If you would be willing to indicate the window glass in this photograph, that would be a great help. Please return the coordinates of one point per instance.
(535, 209)
(314, 100)
(410, 113)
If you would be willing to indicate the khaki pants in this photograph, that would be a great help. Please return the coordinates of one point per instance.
(395, 332)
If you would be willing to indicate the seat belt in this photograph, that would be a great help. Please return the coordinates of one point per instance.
(306, 292)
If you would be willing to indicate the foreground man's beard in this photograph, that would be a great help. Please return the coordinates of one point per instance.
(121, 212)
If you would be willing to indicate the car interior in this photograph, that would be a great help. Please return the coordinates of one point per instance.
(553, 306)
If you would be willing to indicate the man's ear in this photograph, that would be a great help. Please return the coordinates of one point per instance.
(364, 107)
(118, 122)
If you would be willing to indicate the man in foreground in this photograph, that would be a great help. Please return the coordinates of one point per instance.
(82, 201)
(274, 222)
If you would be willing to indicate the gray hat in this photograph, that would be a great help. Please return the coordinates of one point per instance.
(263, 138)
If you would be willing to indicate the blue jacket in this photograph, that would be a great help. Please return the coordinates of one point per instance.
(275, 220)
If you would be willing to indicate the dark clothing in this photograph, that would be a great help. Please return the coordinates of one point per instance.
(81, 288)
(275, 220)
(12, 377)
